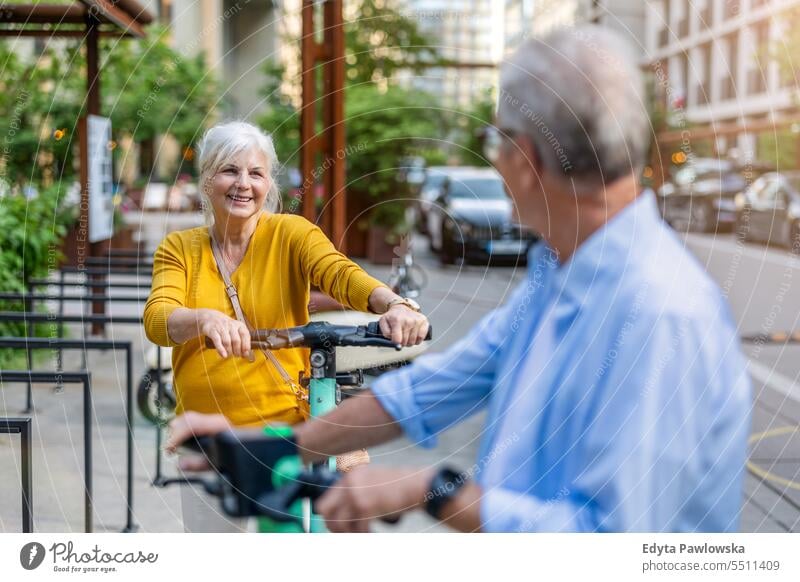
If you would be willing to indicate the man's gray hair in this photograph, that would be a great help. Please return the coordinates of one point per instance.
(577, 93)
(223, 142)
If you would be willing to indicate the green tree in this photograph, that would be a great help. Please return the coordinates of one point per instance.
(39, 106)
(383, 128)
(384, 122)
(151, 89)
(380, 41)
(473, 125)
(280, 118)
(147, 89)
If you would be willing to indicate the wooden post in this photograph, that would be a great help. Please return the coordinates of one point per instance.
(334, 107)
(308, 130)
(322, 150)
(92, 108)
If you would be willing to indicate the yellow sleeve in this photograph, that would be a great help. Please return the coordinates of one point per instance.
(334, 273)
(168, 292)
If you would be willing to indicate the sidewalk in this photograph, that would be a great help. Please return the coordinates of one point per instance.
(57, 422)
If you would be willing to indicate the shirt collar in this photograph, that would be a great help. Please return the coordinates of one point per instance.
(606, 253)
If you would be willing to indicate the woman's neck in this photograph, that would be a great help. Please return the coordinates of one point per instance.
(235, 233)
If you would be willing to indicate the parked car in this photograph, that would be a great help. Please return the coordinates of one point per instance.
(700, 196)
(411, 173)
(431, 189)
(769, 210)
(472, 219)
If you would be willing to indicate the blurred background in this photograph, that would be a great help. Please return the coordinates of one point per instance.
(420, 79)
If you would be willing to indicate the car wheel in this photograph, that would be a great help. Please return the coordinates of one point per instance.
(421, 221)
(432, 244)
(700, 217)
(741, 229)
(447, 251)
(794, 238)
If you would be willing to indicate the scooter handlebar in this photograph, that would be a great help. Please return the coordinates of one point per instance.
(304, 336)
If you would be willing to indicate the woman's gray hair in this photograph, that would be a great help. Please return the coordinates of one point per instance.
(577, 93)
(225, 141)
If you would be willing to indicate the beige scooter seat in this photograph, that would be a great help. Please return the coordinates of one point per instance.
(355, 358)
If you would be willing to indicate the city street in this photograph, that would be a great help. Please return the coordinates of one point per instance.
(762, 285)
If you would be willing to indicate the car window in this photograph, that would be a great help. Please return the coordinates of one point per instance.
(768, 192)
(794, 184)
(782, 195)
(755, 187)
(434, 181)
(481, 188)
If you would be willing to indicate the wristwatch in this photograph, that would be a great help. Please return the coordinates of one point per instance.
(444, 487)
(410, 303)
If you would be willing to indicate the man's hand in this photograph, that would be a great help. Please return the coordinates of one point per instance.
(194, 424)
(369, 492)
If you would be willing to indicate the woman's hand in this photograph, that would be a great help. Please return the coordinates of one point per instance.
(230, 336)
(403, 325)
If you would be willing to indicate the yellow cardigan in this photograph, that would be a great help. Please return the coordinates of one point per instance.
(285, 256)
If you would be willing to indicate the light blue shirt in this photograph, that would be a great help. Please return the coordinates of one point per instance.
(617, 395)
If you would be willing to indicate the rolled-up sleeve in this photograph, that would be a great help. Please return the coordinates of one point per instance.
(168, 292)
(334, 273)
(439, 390)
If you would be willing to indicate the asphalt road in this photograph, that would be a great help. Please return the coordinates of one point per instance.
(761, 284)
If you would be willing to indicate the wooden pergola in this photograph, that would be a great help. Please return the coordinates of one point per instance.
(322, 141)
(88, 20)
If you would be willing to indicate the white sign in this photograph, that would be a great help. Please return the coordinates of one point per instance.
(101, 186)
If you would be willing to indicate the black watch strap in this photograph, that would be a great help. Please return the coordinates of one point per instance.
(444, 487)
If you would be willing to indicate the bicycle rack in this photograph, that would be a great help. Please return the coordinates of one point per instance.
(96, 344)
(22, 427)
(69, 378)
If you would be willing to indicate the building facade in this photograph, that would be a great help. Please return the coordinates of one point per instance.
(467, 32)
(714, 64)
(237, 37)
(525, 18)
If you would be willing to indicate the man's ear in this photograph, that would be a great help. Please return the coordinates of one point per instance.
(529, 156)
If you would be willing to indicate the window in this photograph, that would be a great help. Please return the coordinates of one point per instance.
(756, 77)
(663, 33)
(683, 23)
(756, 83)
(706, 15)
(731, 8)
(703, 88)
(728, 83)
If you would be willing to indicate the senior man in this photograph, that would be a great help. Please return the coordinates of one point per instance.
(617, 398)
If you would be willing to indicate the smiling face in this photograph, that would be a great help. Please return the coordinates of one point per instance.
(239, 188)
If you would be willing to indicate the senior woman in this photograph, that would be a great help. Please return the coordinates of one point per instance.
(271, 260)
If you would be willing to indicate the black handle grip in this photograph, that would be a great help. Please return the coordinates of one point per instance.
(198, 444)
(374, 330)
